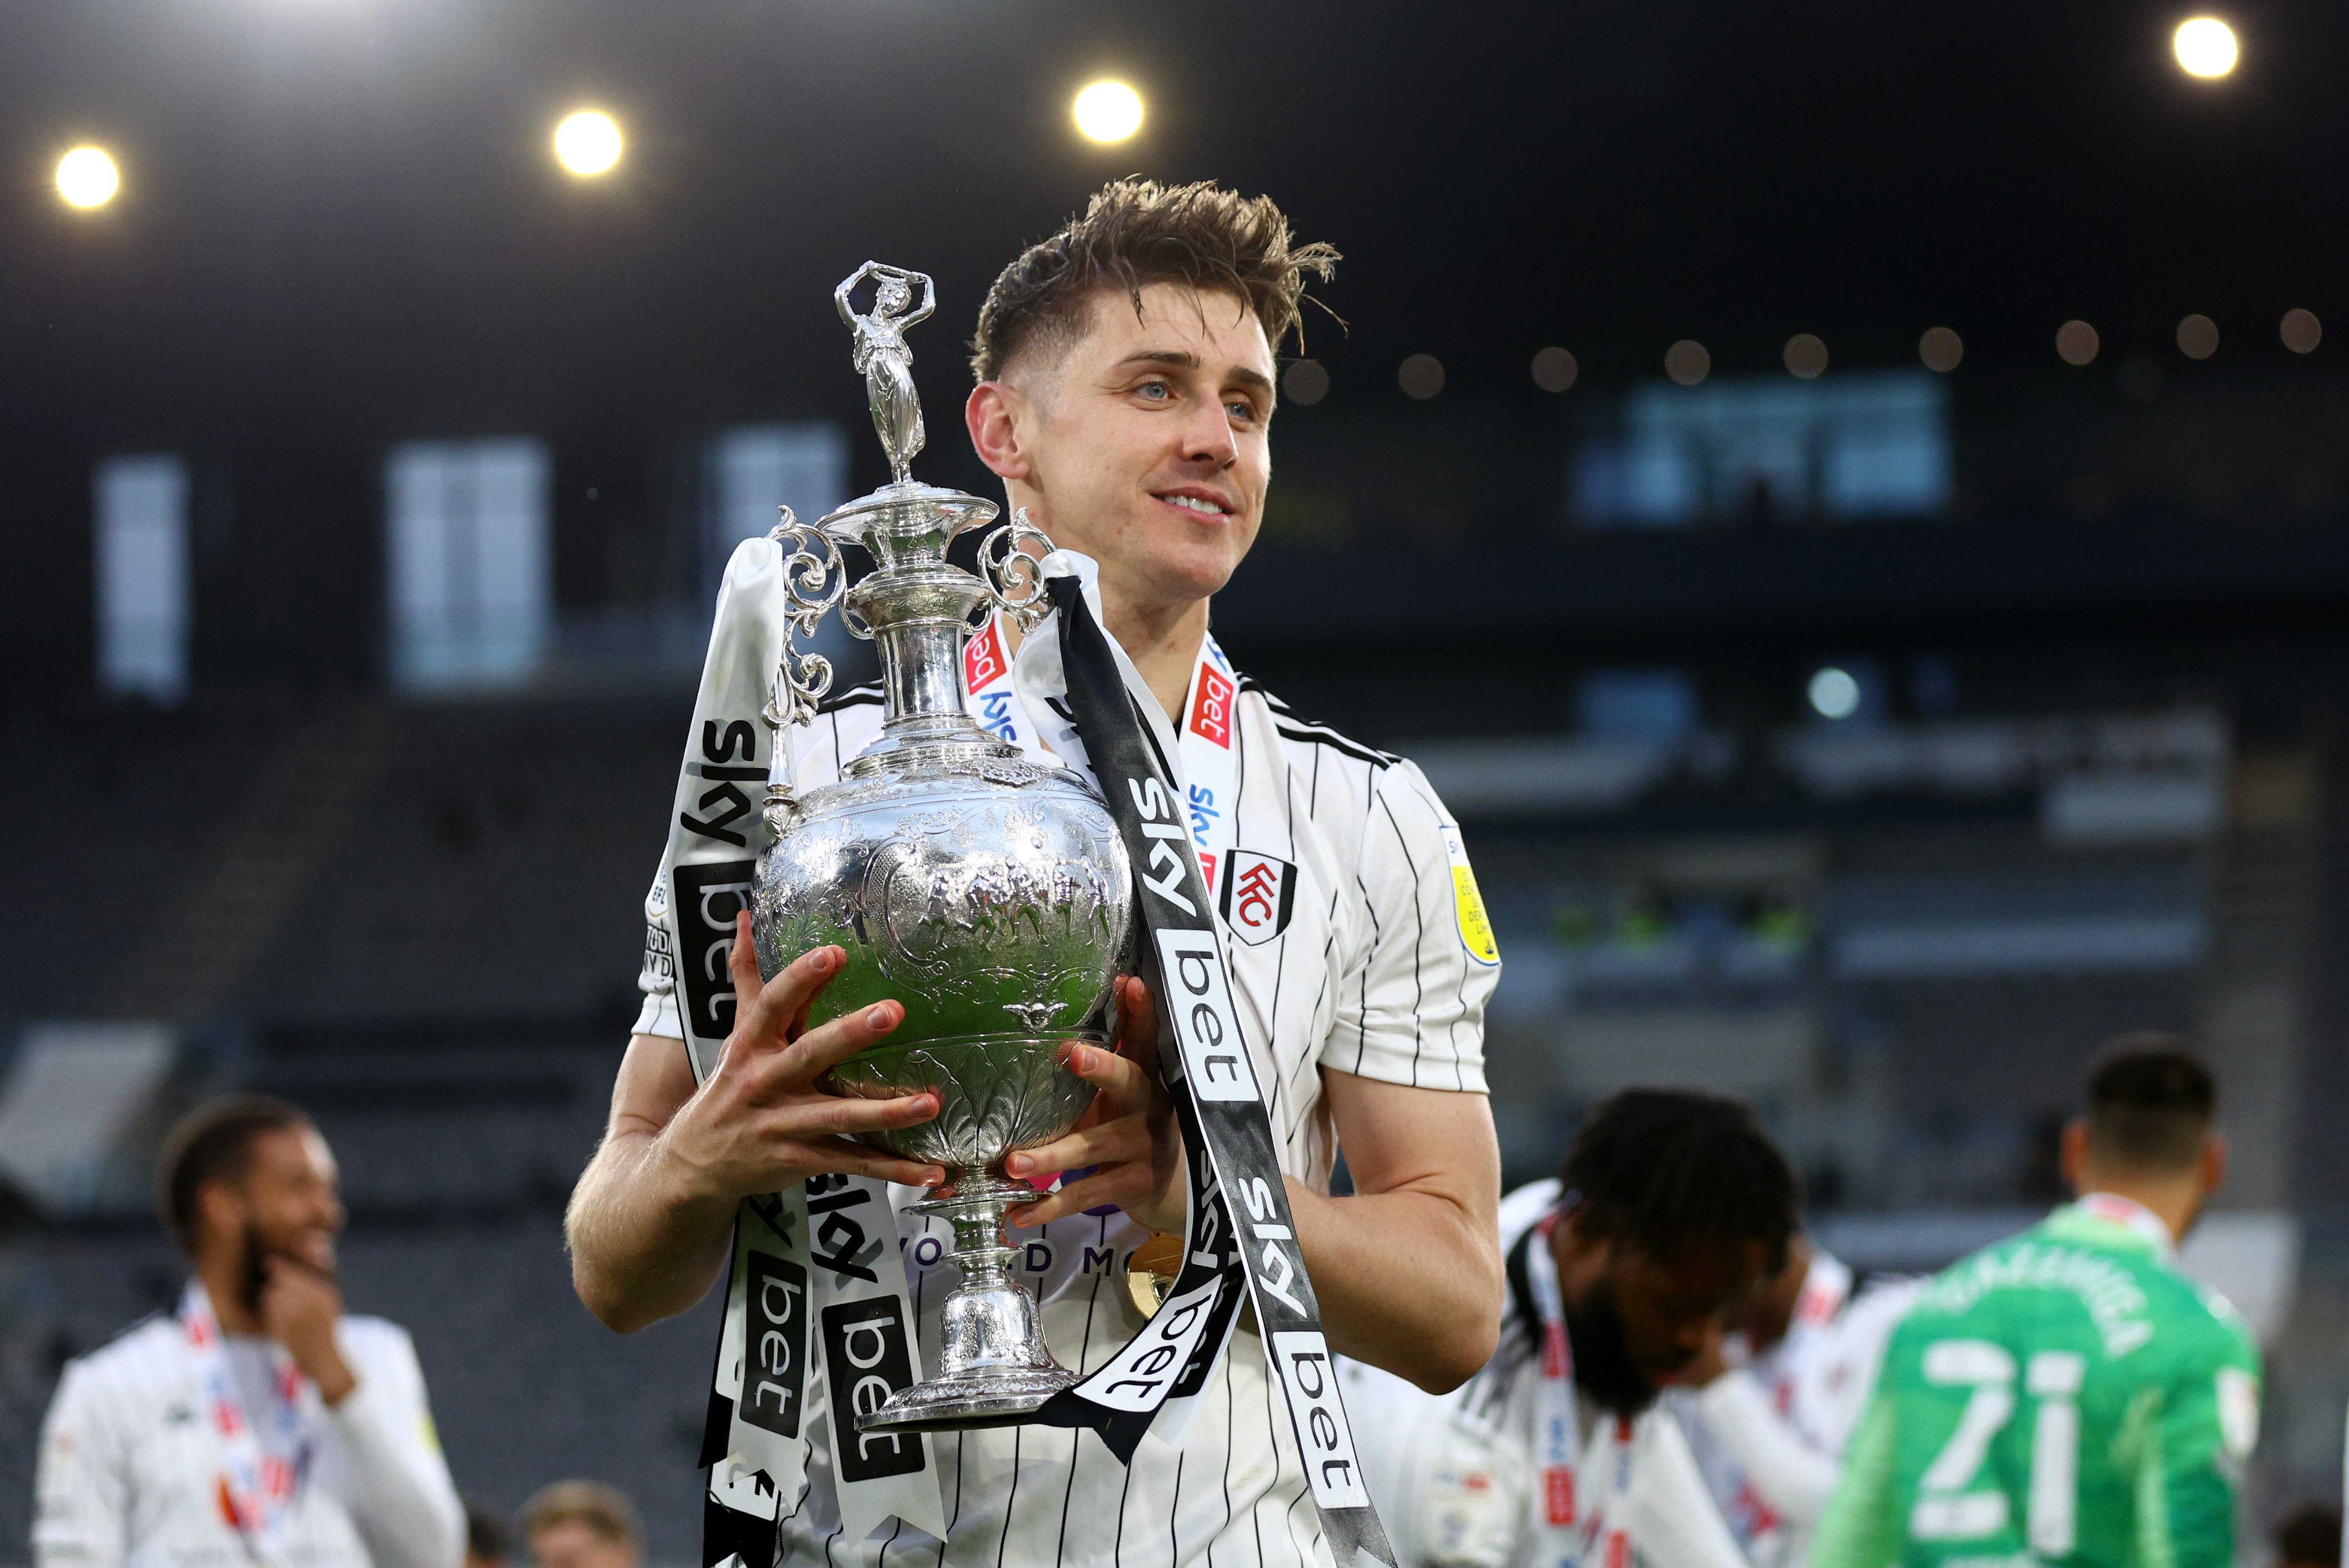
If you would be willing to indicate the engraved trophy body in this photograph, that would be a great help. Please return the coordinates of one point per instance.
(989, 894)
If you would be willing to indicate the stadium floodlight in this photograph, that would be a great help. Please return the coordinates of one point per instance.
(87, 177)
(2205, 47)
(588, 143)
(1834, 693)
(1107, 111)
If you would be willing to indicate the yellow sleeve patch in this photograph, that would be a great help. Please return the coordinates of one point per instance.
(1468, 903)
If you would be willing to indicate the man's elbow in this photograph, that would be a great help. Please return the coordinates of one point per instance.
(1451, 1358)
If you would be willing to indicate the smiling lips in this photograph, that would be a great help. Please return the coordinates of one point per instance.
(1200, 501)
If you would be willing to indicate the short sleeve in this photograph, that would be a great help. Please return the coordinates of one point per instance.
(1412, 1011)
(2208, 1425)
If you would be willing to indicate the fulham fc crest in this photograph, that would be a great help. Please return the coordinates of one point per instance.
(1259, 892)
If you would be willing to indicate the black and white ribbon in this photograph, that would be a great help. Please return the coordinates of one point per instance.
(818, 1282)
(1250, 1242)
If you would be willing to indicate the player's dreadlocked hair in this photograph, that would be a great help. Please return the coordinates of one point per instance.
(1657, 1167)
(1138, 231)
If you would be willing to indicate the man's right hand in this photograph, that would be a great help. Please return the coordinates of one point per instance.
(759, 1123)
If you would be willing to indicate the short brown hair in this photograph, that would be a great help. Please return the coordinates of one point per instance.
(2151, 1100)
(211, 1143)
(1138, 231)
(601, 1508)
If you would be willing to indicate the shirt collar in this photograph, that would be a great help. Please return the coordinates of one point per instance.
(2127, 1214)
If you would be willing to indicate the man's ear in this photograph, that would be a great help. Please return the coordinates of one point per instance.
(2214, 1160)
(220, 1212)
(994, 415)
(2072, 1156)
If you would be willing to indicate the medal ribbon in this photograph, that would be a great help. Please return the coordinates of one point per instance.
(256, 1488)
(1566, 1533)
(1213, 1081)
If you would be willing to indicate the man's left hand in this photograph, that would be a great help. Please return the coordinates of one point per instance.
(1130, 1133)
(300, 1306)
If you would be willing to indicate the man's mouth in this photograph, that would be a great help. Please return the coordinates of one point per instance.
(1202, 502)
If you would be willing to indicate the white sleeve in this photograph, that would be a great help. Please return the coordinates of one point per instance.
(81, 1490)
(405, 1504)
(1675, 1523)
(1413, 1012)
(1793, 1478)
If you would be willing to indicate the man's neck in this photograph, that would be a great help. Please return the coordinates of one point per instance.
(223, 1283)
(2177, 1205)
(1163, 642)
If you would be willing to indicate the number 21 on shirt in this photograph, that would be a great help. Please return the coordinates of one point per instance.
(1946, 1509)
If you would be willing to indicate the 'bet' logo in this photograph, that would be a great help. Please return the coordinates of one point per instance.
(982, 657)
(1211, 706)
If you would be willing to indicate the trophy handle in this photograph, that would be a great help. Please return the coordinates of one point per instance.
(1014, 579)
(814, 578)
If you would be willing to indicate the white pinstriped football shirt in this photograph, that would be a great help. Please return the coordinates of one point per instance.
(1381, 969)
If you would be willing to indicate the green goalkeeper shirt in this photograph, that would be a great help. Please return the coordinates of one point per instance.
(2065, 1397)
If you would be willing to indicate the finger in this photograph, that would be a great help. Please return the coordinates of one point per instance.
(1112, 1143)
(1129, 1085)
(742, 963)
(819, 1116)
(1137, 1025)
(827, 1046)
(1121, 1186)
(857, 1159)
(769, 1019)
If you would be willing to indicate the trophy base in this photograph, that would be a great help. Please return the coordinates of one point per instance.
(960, 1403)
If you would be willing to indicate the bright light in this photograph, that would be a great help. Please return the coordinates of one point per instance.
(1108, 111)
(588, 143)
(1940, 350)
(2301, 331)
(1806, 357)
(2205, 47)
(2197, 338)
(2076, 343)
(1420, 377)
(1687, 363)
(87, 177)
(1834, 693)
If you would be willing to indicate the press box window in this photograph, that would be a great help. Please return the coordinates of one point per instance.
(754, 469)
(140, 506)
(470, 580)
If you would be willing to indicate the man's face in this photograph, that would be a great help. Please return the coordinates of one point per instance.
(285, 1203)
(1146, 441)
(575, 1544)
(1636, 1319)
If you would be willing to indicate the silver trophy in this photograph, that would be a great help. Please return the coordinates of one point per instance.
(989, 894)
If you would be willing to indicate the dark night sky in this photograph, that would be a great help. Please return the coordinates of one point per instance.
(340, 217)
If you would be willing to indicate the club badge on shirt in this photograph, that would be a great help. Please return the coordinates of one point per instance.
(1260, 894)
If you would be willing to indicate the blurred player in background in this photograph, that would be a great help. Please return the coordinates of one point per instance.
(2067, 1394)
(582, 1524)
(1770, 1406)
(1673, 1206)
(257, 1424)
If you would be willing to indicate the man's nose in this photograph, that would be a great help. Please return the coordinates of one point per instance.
(1207, 437)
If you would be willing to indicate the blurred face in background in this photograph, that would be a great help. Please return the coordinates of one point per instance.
(1145, 442)
(285, 1204)
(579, 1543)
(1636, 1319)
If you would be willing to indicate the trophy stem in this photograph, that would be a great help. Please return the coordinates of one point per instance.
(993, 1367)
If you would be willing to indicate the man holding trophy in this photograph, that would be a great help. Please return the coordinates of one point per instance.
(961, 873)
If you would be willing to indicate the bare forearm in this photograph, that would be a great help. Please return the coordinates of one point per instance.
(1407, 1281)
(643, 1245)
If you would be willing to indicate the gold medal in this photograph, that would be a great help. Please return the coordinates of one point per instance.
(1149, 1272)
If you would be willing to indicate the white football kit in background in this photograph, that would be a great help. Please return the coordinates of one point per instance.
(1770, 1435)
(1358, 943)
(134, 1474)
(1460, 1479)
